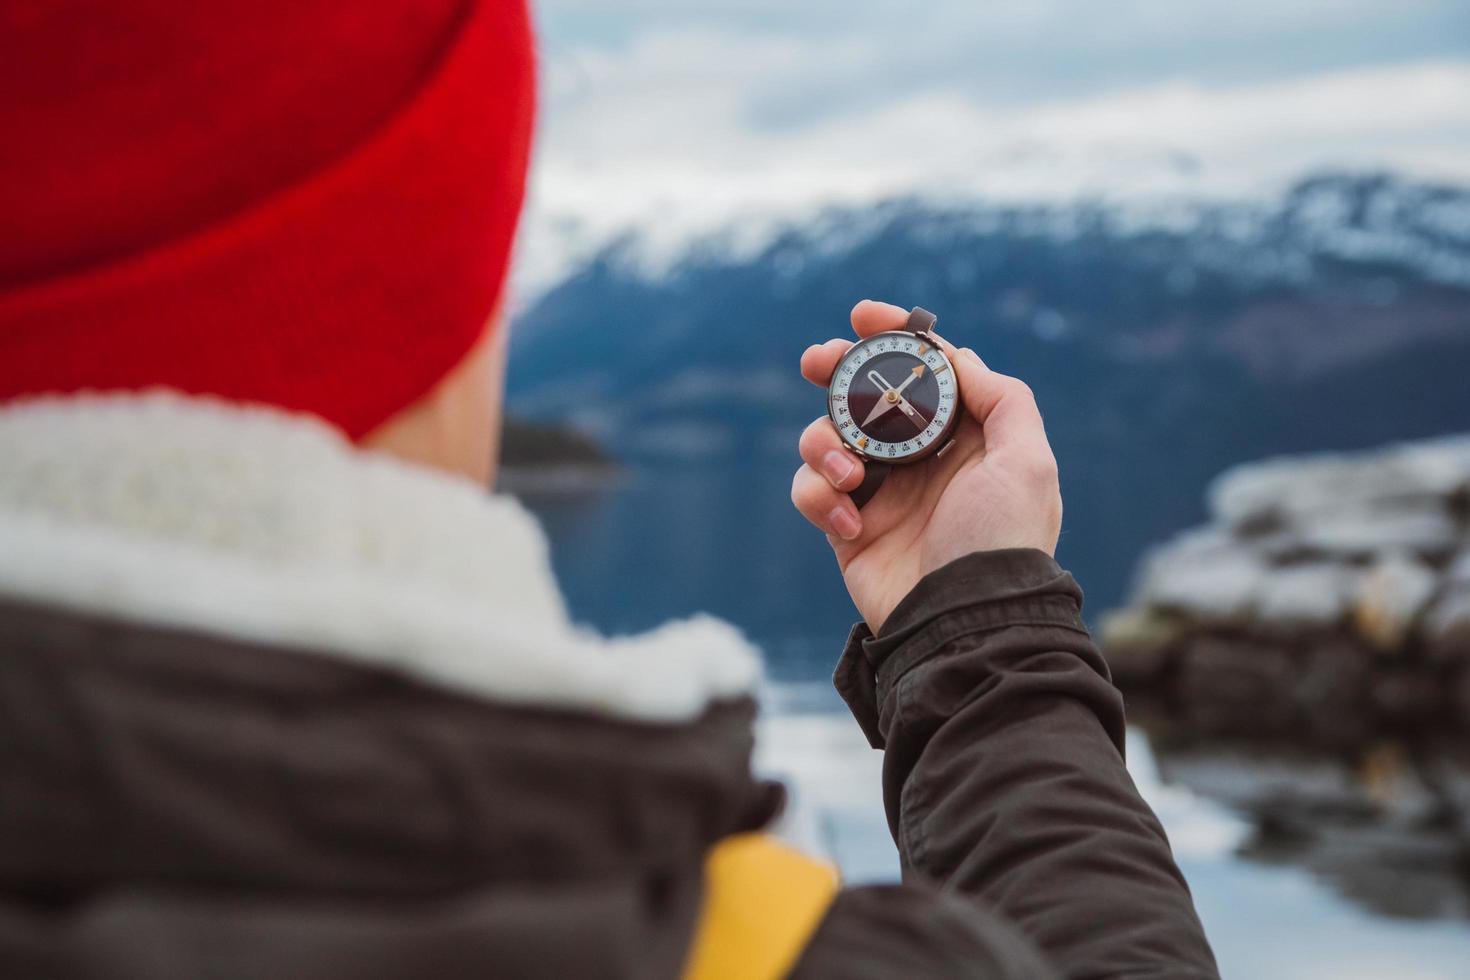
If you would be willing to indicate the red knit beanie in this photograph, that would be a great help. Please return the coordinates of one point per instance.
(307, 203)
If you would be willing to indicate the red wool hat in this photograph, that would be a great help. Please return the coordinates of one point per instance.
(306, 203)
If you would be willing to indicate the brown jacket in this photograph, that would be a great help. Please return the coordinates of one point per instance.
(181, 800)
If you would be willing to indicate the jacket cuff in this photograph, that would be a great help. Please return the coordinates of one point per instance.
(979, 593)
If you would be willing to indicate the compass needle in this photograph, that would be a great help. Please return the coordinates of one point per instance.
(887, 402)
(878, 409)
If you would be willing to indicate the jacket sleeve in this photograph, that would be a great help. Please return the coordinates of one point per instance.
(879, 932)
(1003, 774)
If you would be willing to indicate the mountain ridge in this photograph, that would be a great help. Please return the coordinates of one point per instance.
(1161, 350)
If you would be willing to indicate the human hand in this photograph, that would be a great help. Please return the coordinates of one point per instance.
(997, 488)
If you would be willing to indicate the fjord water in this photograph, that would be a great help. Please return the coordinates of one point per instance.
(667, 540)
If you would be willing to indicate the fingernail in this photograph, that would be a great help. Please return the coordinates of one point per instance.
(972, 355)
(845, 523)
(838, 466)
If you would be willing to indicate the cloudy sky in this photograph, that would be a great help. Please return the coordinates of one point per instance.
(688, 114)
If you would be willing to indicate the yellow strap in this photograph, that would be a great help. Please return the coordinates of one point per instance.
(762, 902)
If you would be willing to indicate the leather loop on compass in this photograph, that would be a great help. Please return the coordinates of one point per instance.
(920, 320)
(874, 473)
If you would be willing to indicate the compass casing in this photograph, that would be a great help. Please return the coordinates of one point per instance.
(864, 379)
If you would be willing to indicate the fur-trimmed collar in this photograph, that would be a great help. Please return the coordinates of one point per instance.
(271, 527)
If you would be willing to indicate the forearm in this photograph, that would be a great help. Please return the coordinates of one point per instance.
(1004, 775)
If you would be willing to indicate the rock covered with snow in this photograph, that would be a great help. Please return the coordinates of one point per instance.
(1407, 482)
(1366, 552)
(1447, 624)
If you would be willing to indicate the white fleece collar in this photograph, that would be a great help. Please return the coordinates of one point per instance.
(270, 527)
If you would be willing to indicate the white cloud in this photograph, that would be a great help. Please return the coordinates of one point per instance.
(687, 123)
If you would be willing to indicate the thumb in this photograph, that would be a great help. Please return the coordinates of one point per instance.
(1004, 406)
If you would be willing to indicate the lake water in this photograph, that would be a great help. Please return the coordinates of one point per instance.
(1368, 897)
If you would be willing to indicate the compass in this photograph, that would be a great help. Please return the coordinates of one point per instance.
(894, 399)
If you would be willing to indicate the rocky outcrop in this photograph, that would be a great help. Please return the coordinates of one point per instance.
(1329, 592)
(542, 459)
(1384, 822)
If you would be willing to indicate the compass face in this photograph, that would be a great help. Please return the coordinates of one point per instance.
(893, 397)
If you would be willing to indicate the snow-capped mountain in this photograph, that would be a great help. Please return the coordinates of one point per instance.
(1166, 339)
(1376, 217)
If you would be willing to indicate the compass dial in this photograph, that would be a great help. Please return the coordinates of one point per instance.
(894, 397)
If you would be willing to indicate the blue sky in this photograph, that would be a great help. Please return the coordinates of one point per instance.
(687, 116)
(1051, 47)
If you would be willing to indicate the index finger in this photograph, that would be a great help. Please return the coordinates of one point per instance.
(819, 360)
(868, 317)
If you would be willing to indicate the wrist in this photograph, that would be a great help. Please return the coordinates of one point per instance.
(1006, 583)
(981, 592)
